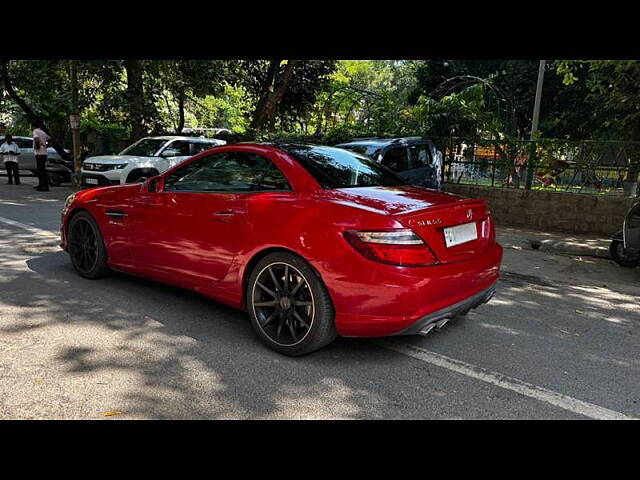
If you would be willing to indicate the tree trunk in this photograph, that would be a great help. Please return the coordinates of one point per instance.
(28, 112)
(135, 98)
(180, 112)
(273, 90)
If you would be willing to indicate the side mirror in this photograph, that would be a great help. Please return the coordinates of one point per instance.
(154, 184)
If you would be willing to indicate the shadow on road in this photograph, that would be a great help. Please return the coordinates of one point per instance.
(185, 356)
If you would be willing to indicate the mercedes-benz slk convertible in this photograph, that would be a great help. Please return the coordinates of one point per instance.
(312, 241)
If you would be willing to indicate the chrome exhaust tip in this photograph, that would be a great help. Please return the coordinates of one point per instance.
(425, 331)
(441, 323)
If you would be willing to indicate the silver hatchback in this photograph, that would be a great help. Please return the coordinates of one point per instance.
(27, 159)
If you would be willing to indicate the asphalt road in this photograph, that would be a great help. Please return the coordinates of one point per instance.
(560, 340)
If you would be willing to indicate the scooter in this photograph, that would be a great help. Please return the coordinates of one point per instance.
(625, 244)
(59, 171)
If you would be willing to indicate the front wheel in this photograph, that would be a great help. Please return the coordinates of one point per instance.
(289, 306)
(616, 250)
(86, 247)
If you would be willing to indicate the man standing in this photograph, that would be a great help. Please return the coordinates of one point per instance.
(10, 151)
(40, 142)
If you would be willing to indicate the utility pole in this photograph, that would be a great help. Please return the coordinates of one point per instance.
(74, 120)
(534, 124)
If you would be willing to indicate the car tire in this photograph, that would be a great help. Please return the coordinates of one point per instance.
(86, 247)
(300, 318)
(616, 250)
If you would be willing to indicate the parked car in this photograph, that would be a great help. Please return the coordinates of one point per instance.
(145, 158)
(313, 241)
(415, 159)
(27, 157)
(625, 244)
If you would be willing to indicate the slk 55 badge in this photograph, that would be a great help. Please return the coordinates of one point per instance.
(423, 223)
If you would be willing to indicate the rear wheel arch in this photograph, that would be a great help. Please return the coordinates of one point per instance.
(259, 256)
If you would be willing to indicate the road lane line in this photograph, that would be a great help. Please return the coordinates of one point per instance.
(31, 229)
(494, 378)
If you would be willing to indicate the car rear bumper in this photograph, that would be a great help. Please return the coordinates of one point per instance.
(405, 301)
(438, 318)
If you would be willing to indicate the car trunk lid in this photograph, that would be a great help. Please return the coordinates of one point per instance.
(430, 224)
(428, 213)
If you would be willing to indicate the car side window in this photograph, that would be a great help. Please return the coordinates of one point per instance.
(396, 159)
(200, 147)
(178, 148)
(420, 156)
(227, 172)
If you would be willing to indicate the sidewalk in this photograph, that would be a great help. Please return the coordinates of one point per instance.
(564, 259)
(554, 242)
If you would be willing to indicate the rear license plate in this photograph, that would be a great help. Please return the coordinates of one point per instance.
(92, 181)
(460, 234)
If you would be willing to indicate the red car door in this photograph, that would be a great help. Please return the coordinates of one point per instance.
(193, 229)
(189, 235)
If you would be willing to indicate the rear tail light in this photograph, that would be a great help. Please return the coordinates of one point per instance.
(395, 247)
(492, 228)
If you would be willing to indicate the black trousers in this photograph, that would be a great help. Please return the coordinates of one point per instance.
(13, 172)
(43, 178)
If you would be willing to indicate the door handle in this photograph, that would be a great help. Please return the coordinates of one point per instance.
(224, 213)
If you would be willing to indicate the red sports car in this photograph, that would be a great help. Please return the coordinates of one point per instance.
(313, 241)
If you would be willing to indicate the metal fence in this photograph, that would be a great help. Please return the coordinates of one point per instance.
(594, 167)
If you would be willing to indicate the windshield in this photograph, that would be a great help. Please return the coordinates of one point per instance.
(338, 168)
(368, 151)
(147, 147)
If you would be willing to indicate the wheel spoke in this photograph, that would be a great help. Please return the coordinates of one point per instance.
(292, 330)
(286, 278)
(272, 303)
(297, 287)
(280, 325)
(266, 289)
(300, 319)
(299, 303)
(270, 318)
(276, 284)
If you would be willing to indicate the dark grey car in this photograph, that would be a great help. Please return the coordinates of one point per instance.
(415, 159)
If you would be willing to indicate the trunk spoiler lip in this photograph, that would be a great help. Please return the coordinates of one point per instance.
(442, 206)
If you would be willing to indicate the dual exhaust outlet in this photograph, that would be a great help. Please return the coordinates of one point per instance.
(438, 324)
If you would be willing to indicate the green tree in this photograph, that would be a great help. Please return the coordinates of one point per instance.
(613, 92)
(283, 90)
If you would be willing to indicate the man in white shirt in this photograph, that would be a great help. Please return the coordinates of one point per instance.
(40, 143)
(10, 151)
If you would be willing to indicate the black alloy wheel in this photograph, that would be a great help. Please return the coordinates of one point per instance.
(86, 248)
(289, 305)
(283, 303)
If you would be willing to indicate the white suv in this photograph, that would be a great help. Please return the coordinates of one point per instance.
(146, 158)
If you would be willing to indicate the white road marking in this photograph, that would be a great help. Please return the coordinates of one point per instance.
(539, 393)
(31, 229)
